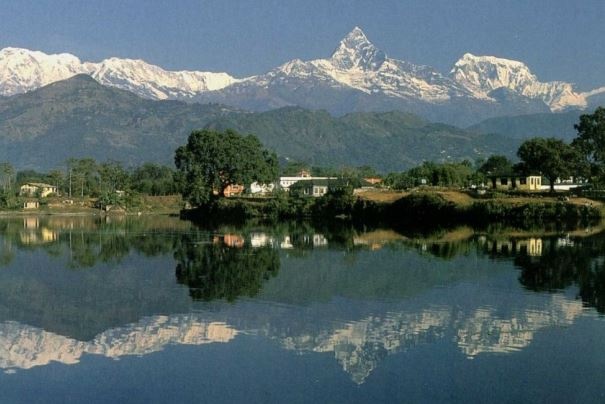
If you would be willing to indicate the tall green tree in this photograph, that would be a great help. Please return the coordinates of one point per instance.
(551, 157)
(82, 176)
(7, 174)
(211, 161)
(154, 179)
(112, 176)
(496, 165)
(591, 142)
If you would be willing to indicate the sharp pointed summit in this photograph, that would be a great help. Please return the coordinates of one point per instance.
(357, 77)
(356, 51)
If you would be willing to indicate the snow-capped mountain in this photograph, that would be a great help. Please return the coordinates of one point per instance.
(151, 81)
(22, 70)
(356, 77)
(484, 74)
(357, 64)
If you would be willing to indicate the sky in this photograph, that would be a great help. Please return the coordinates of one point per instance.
(558, 39)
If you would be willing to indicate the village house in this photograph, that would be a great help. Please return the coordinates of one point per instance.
(303, 176)
(373, 180)
(233, 190)
(317, 187)
(257, 188)
(31, 204)
(522, 183)
(37, 189)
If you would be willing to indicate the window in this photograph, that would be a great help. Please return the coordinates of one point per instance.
(504, 181)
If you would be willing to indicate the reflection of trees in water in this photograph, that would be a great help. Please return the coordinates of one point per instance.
(86, 241)
(558, 268)
(216, 271)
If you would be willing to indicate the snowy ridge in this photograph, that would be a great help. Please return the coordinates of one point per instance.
(483, 74)
(22, 70)
(356, 64)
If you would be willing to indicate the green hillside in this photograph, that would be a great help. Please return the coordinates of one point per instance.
(388, 141)
(81, 118)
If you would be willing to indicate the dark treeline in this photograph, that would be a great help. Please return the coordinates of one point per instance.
(87, 177)
(583, 159)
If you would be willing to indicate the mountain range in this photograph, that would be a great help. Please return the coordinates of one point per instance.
(357, 77)
(79, 117)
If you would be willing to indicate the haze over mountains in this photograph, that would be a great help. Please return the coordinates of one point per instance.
(356, 77)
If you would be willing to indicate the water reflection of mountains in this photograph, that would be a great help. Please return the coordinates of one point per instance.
(72, 286)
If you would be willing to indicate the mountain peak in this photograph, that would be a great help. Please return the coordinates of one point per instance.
(355, 51)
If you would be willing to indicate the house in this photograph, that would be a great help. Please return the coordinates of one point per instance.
(373, 180)
(37, 189)
(523, 183)
(233, 190)
(31, 205)
(286, 182)
(316, 187)
(257, 188)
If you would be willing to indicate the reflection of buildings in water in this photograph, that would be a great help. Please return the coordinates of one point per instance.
(531, 246)
(319, 240)
(229, 240)
(42, 236)
(258, 240)
(286, 243)
(315, 240)
(24, 347)
(565, 242)
(31, 222)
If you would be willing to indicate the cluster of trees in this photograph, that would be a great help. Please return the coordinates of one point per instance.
(583, 158)
(428, 173)
(86, 177)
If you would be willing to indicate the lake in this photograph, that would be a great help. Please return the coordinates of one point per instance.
(155, 309)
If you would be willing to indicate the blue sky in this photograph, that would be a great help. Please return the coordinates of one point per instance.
(558, 39)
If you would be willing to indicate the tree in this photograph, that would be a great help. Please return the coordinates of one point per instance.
(591, 141)
(113, 176)
(497, 165)
(83, 174)
(154, 179)
(56, 178)
(211, 161)
(7, 172)
(552, 157)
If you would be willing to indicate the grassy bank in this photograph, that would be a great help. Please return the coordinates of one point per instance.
(138, 204)
(428, 207)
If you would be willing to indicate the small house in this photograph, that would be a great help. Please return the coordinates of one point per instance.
(316, 187)
(373, 180)
(37, 189)
(31, 205)
(233, 190)
(523, 183)
(257, 188)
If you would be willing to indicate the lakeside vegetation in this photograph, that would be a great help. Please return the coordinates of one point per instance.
(212, 161)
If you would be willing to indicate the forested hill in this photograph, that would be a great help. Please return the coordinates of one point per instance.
(79, 117)
(388, 141)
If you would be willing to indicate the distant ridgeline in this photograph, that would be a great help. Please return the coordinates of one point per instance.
(81, 118)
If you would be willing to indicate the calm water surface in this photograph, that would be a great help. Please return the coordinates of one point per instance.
(158, 310)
